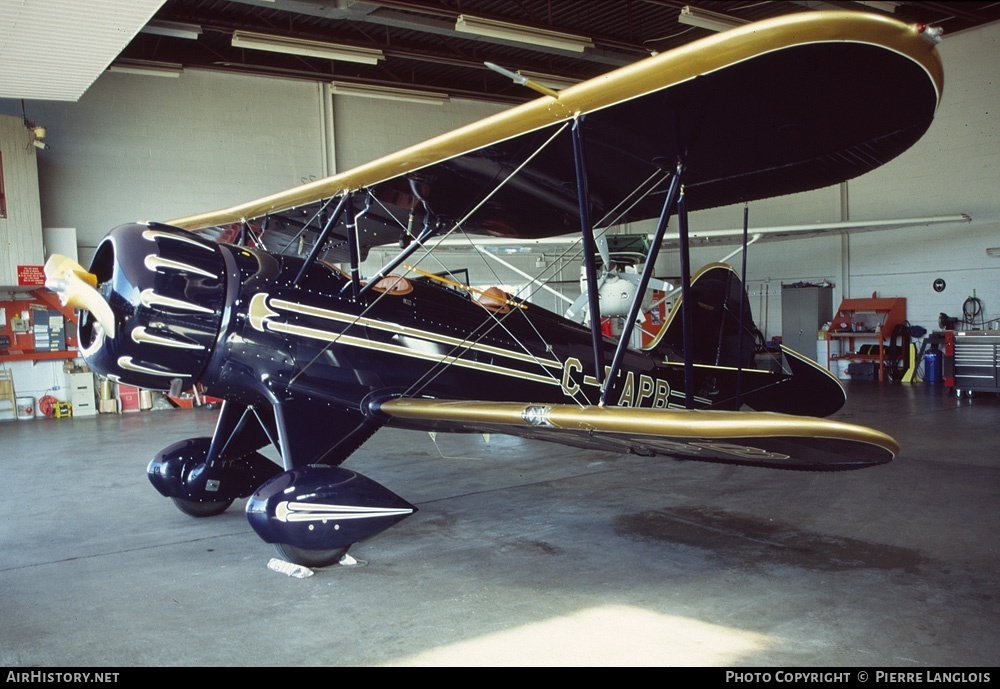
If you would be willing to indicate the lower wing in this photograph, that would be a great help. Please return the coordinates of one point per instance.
(751, 438)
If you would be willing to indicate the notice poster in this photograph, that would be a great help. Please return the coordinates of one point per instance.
(30, 276)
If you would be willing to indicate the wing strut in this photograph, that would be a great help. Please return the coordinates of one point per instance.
(743, 305)
(321, 239)
(589, 248)
(687, 333)
(428, 232)
(353, 248)
(647, 272)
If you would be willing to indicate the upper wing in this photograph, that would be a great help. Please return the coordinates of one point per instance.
(751, 438)
(781, 106)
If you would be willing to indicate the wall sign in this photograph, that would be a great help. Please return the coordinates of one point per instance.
(31, 276)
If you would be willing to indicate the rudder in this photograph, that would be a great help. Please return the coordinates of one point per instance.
(718, 299)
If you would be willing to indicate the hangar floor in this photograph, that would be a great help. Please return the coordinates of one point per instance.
(521, 554)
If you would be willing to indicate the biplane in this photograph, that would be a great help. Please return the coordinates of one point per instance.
(249, 301)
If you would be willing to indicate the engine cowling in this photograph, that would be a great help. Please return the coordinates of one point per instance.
(166, 290)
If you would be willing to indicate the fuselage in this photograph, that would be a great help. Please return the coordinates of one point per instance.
(246, 325)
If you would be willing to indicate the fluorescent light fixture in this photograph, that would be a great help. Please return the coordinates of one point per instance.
(889, 7)
(993, 251)
(522, 34)
(713, 21)
(172, 29)
(388, 93)
(298, 46)
(148, 68)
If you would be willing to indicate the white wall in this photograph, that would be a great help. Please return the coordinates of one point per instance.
(954, 168)
(151, 148)
(21, 226)
(368, 128)
(36, 381)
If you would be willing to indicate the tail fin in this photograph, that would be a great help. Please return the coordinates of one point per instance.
(720, 337)
(724, 334)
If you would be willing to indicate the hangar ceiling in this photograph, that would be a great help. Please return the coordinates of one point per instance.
(426, 45)
(423, 47)
(55, 49)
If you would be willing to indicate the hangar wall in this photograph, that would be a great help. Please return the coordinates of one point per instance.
(367, 128)
(143, 147)
(954, 168)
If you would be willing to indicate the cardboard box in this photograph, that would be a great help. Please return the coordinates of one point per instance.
(128, 398)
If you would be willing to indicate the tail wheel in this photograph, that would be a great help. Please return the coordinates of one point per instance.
(310, 557)
(194, 508)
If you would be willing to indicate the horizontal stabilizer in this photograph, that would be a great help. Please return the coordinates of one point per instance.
(751, 438)
(811, 390)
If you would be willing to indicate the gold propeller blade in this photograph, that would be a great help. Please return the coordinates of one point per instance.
(77, 289)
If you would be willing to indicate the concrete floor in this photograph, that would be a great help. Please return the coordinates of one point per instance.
(522, 554)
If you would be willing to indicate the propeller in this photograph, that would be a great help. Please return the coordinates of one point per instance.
(77, 289)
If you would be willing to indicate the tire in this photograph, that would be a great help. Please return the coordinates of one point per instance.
(308, 557)
(193, 508)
